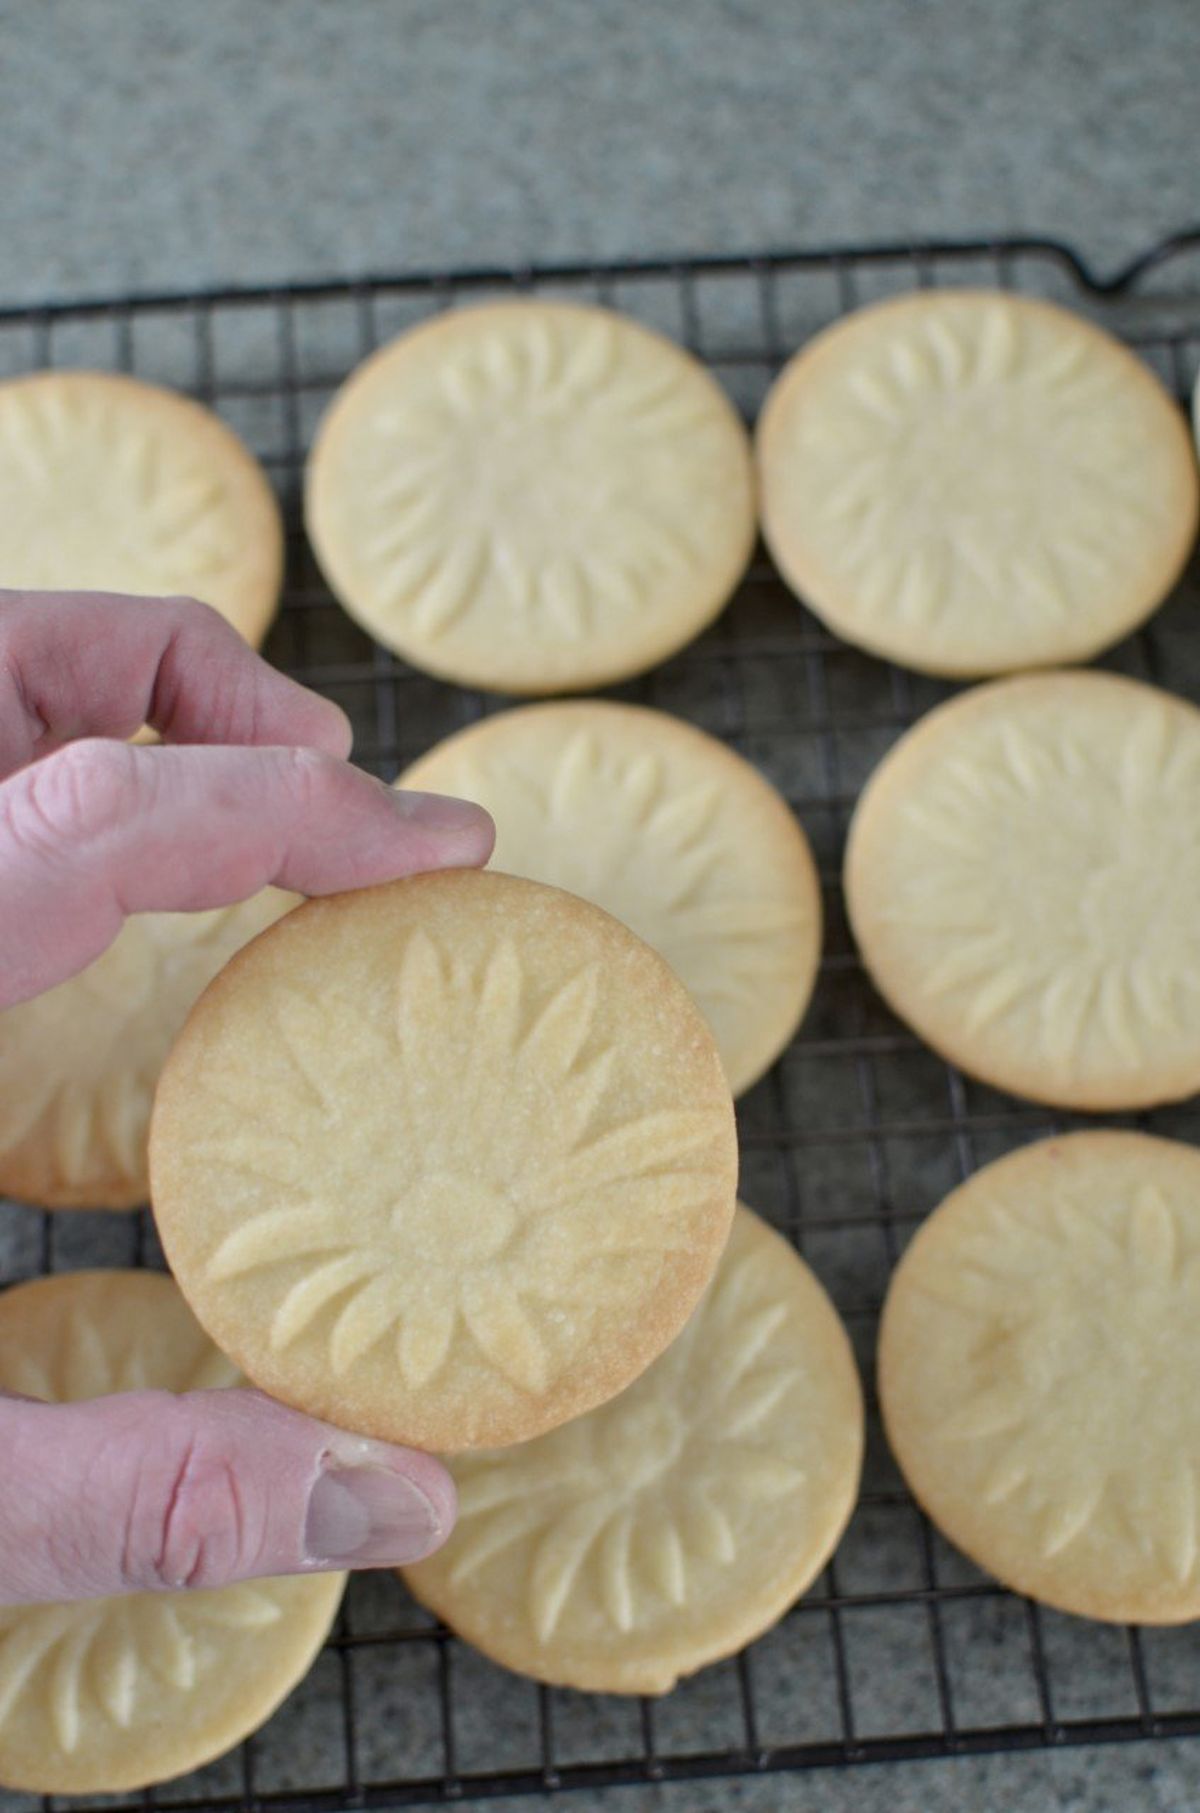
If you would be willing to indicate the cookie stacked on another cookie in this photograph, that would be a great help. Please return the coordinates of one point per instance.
(674, 1524)
(452, 1161)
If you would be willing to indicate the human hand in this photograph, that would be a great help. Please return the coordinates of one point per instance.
(249, 787)
(93, 828)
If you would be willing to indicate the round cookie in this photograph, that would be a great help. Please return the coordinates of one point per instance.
(677, 1522)
(532, 497)
(670, 831)
(446, 1161)
(969, 482)
(79, 1065)
(1037, 1371)
(106, 1695)
(112, 485)
(1022, 872)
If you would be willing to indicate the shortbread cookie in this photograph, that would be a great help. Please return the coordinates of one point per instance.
(1022, 876)
(1037, 1368)
(673, 833)
(671, 1526)
(107, 1695)
(111, 485)
(532, 497)
(447, 1161)
(969, 482)
(79, 1065)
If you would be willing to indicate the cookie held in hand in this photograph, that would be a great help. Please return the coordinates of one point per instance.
(445, 1162)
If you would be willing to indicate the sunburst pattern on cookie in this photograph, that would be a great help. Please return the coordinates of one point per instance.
(973, 482)
(90, 1360)
(79, 1065)
(1026, 899)
(541, 472)
(515, 1184)
(1036, 1367)
(505, 469)
(111, 1660)
(652, 1524)
(698, 1457)
(663, 828)
(107, 1694)
(112, 485)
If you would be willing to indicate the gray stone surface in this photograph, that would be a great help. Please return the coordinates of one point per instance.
(160, 147)
(230, 142)
(1158, 1778)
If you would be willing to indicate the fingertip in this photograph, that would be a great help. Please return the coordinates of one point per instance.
(437, 1483)
(465, 833)
(367, 1503)
(373, 1505)
(470, 847)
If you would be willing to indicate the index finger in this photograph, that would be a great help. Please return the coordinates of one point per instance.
(101, 664)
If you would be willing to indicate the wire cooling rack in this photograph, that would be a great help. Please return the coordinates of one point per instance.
(902, 1649)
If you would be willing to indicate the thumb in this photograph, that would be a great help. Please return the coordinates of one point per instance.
(146, 1491)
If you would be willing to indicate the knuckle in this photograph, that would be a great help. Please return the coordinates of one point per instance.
(197, 627)
(81, 792)
(313, 776)
(186, 1525)
(190, 613)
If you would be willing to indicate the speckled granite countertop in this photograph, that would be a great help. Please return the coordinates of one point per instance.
(150, 146)
(154, 147)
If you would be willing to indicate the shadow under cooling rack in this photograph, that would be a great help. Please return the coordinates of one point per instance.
(902, 1649)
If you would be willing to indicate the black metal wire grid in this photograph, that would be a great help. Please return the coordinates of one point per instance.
(902, 1649)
